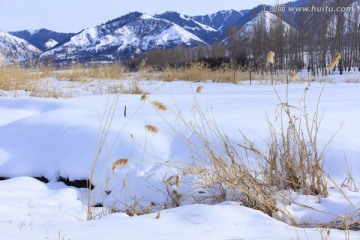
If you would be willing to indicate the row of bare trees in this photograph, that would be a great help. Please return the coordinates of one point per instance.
(309, 40)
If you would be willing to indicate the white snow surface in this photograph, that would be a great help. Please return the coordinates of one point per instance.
(60, 137)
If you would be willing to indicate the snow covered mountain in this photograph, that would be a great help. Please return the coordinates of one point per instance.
(13, 49)
(42, 38)
(262, 19)
(123, 38)
(221, 20)
(205, 32)
(50, 44)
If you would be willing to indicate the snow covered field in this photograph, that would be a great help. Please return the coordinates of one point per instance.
(52, 138)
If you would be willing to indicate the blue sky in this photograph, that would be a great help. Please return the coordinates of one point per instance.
(74, 15)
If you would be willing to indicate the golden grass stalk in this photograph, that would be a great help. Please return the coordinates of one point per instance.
(119, 163)
(270, 57)
(169, 180)
(124, 183)
(143, 98)
(199, 89)
(151, 128)
(159, 105)
(177, 181)
(173, 180)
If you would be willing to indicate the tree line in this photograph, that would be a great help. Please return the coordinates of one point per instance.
(300, 40)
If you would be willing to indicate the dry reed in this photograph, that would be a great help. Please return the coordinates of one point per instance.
(78, 72)
(197, 72)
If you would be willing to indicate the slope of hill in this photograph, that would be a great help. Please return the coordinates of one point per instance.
(14, 49)
(221, 20)
(205, 32)
(40, 38)
(123, 38)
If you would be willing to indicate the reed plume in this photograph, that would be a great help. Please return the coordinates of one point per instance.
(335, 61)
(199, 89)
(159, 105)
(119, 163)
(270, 57)
(293, 76)
(151, 128)
(143, 98)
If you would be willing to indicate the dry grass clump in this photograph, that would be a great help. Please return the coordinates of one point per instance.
(16, 77)
(293, 159)
(195, 72)
(224, 169)
(200, 72)
(132, 87)
(31, 80)
(78, 72)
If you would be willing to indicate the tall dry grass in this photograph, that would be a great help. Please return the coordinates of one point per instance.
(81, 72)
(292, 158)
(35, 80)
(198, 72)
(17, 77)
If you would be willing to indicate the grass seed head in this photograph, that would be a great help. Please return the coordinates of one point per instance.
(270, 57)
(199, 89)
(337, 57)
(151, 128)
(293, 75)
(143, 98)
(159, 105)
(119, 163)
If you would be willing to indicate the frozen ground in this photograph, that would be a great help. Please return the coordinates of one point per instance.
(60, 137)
